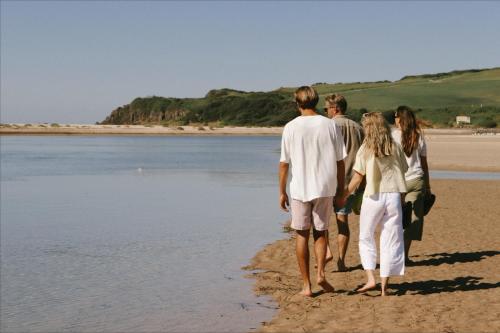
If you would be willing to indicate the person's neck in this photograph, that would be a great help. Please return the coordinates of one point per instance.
(338, 114)
(308, 112)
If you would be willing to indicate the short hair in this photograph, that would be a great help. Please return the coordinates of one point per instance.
(338, 100)
(306, 97)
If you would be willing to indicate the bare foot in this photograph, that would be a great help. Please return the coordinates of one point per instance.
(327, 287)
(306, 291)
(368, 286)
(341, 266)
(386, 293)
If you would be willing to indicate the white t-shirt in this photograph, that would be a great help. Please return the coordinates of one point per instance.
(312, 145)
(414, 162)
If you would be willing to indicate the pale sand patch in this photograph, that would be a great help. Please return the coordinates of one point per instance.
(85, 129)
(464, 152)
(453, 288)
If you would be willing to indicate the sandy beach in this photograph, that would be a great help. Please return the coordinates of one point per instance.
(87, 129)
(453, 287)
(463, 152)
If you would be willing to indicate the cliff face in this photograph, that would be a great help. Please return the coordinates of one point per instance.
(230, 107)
(127, 115)
(148, 110)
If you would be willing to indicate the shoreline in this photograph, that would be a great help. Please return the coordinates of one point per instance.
(88, 129)
(136, 130)
(455, 273)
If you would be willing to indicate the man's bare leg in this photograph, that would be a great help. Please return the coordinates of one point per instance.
(343, 240)
(320, 246)
(329, 254)
(302, 252)
(385, 282)
(370, 284)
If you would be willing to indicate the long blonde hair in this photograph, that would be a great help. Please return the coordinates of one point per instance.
(378, 139)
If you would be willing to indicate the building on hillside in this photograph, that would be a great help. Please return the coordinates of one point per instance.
(463, 120)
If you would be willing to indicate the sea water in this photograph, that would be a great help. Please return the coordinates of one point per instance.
(138, 234)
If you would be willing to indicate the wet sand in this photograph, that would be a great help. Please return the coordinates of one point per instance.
(453, 287)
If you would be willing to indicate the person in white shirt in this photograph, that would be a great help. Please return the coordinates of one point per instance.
(382, 162)
(408, 134)
(314, 147)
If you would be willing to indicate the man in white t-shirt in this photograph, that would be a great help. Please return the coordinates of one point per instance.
(314, 147)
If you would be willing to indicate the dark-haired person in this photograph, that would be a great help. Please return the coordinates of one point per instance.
(408, 134)
(352, 132)
(314, 147)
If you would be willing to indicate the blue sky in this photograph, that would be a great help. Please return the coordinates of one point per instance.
(65, 61)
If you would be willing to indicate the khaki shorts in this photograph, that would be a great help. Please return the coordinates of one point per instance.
(415, 195)
(317, 212)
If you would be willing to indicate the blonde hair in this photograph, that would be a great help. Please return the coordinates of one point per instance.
(306, 97)
(338, 100)
(410, 130)
(378, 139)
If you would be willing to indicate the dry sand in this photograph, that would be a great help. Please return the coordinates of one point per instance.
(463, 152)
(82, 129)
(454, 286)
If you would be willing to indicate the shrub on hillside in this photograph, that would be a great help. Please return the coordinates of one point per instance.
(486, 123)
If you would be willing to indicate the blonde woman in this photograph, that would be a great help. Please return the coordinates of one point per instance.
(408, 134)
(382, 162)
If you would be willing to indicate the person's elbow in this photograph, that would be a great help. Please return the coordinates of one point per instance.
(284, 165)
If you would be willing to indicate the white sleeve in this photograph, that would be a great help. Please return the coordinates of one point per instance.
(360, 163)
(340, 151)
(422, 146)
(285, 146)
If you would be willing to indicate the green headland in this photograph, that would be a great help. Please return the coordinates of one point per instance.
(437, 99)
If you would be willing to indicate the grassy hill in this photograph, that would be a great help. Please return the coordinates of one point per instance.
(437, 98)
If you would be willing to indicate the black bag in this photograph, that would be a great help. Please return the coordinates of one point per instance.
(407, 210)
(429, 200)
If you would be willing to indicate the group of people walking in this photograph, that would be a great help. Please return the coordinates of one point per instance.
(335, 161)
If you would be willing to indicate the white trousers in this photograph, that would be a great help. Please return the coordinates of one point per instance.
(384, 209)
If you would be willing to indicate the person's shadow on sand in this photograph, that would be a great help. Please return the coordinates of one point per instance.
(466, 283)
(452, 258)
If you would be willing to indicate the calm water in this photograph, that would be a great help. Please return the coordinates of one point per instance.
(134, 233)
(137, 234)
